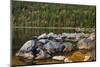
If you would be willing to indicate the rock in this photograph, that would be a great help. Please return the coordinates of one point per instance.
(76, 56)
(28, 55)
(42, 54)
(58, 57)
(67, 60)
(26, 47)
(68, 46)
(86, 44)
(86, 58)
(91, 54)
(51, 34)
(49, 46)
(43, 41)
(58, 46)
(44, 35)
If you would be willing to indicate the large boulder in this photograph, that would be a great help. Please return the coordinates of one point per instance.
(86, 44)
(26, 47)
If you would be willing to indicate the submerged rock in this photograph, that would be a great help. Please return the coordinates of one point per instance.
(78, 56)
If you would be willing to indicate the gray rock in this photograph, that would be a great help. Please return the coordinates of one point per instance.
(42, 54)
(86, 43)
(26, 47)
(68, 46)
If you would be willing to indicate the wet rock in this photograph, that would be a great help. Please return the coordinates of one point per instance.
(68, 46)
(76, 56)
(28, 55)
(86, 44)
(49, 47)
(44, 35)
(26, 47)
(42, 54)
(58, 57)
(67, 60)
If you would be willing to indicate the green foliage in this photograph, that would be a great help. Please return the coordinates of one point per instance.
(53, 15)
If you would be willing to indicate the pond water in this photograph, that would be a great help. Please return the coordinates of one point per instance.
(17, 61)
(20, 36)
